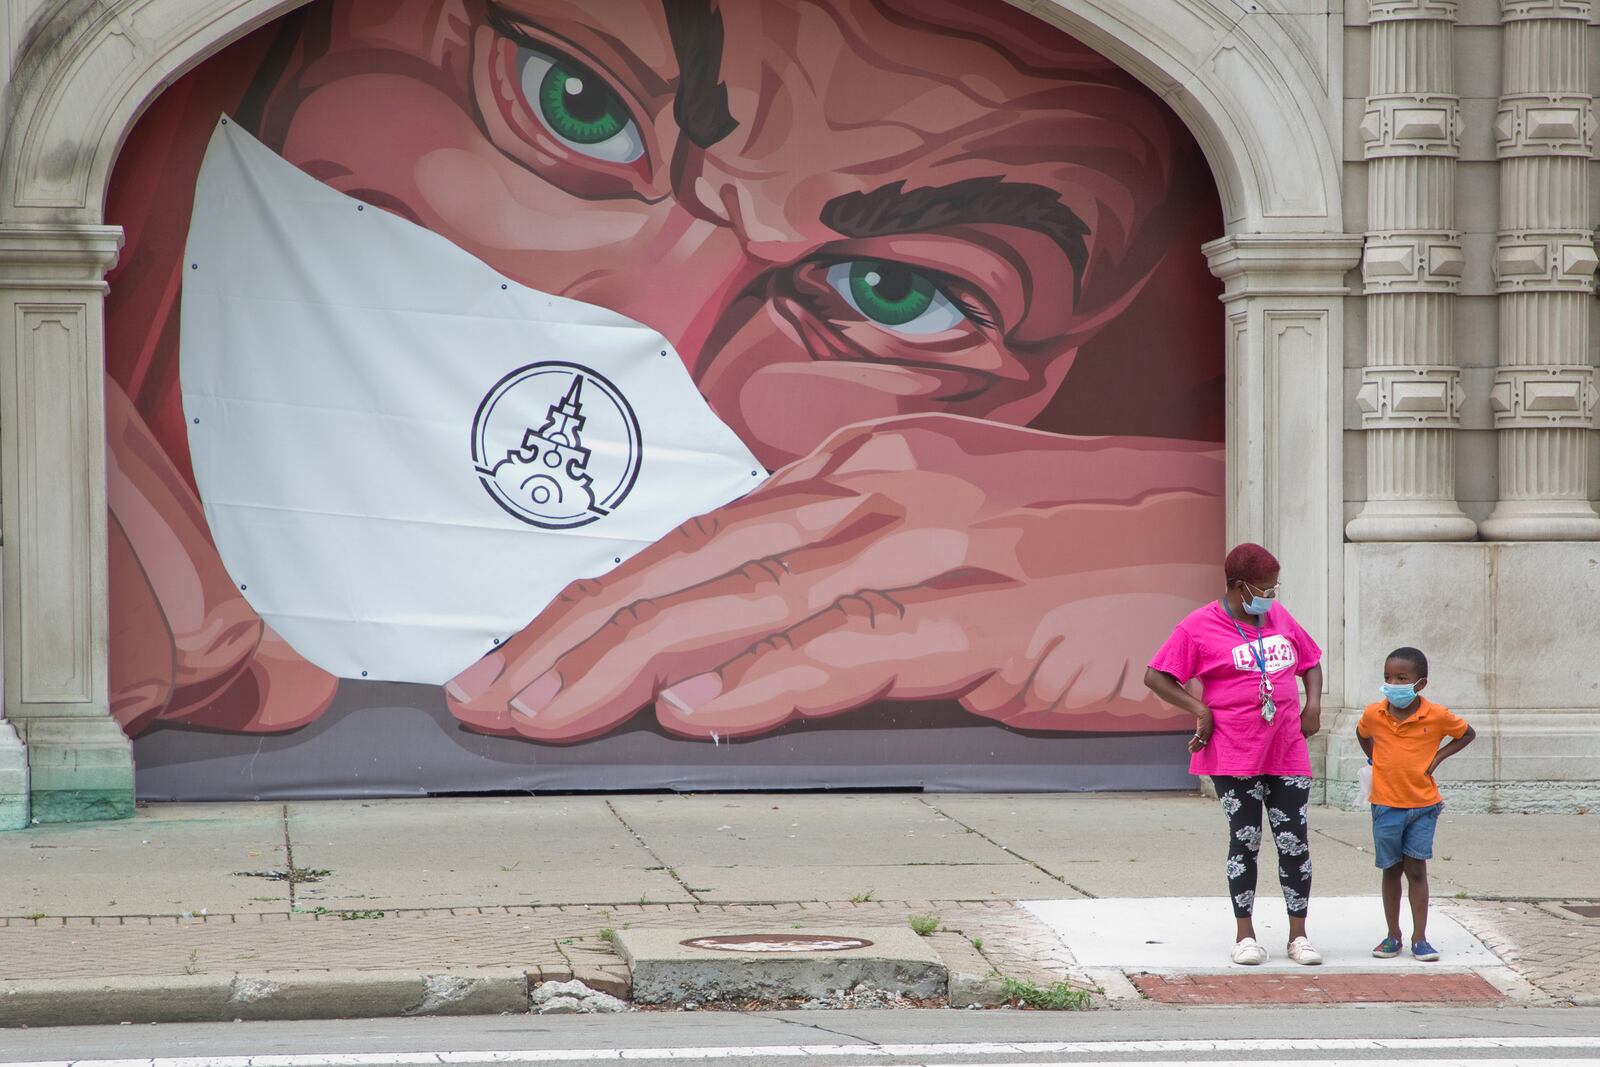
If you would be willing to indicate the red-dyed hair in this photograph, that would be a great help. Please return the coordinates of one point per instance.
(1249, 562)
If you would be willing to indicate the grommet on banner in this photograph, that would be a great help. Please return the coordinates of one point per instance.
(363, 674)
(617, 560)
(663, 351)
(361, 207)
(194, 266)
(497, 640)
(502, 285)
(224, 122)
(197, 422)
(755, 474)
(243, 587)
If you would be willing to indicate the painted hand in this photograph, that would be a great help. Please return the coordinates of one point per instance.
(1025, 574)
(186, 646)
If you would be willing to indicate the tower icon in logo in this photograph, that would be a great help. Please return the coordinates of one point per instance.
(556, 445)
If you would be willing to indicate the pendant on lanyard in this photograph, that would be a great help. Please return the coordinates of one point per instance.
(1269, 707)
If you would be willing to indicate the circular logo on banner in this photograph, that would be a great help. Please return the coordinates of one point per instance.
(556, 445)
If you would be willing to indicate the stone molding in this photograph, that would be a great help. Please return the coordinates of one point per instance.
(58, 257)
(1551, 261)
(1412, 261)
(1544, 124)
(1401, 10)
(1409, 396)
(1542, 397)
(1411, 124)
(1258, 264)
(1520, 10)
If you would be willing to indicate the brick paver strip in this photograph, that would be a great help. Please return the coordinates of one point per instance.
(1450, 987)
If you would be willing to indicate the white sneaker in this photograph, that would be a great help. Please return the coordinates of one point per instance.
(1301, 952)
(1248, 953)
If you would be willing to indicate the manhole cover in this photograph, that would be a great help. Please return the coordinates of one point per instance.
(777, 943)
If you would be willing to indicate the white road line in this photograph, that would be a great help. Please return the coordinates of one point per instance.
(975, 1049)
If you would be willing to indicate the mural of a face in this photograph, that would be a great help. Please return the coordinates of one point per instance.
(841, 212)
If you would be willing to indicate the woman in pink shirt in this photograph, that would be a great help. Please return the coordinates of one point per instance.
(1250, 732)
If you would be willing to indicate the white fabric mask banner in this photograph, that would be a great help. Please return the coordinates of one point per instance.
(403, 454)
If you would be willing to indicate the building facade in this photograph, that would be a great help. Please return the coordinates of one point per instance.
(1407, 261)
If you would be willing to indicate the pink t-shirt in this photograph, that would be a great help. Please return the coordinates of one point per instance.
(1207, 645)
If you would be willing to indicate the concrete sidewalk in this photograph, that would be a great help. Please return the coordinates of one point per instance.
(458, 905)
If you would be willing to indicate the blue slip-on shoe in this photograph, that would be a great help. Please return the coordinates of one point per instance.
(1424, 951)
(1387, 949)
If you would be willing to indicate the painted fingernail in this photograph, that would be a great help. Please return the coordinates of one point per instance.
(692, 694)
(539, 692)
(470, 683)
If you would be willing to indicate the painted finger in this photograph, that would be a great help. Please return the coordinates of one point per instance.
(213, 630)
(899, 644)
(140, 678)
(653, 643)
(277, 690)
(768, 523)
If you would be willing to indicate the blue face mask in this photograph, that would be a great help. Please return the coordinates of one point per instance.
(1401, 696)
(1259, 605)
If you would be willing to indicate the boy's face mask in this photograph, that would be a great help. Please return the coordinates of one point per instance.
(403, 455)
(1401, 696)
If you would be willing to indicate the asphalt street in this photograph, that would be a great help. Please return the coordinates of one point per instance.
(1305, 1037)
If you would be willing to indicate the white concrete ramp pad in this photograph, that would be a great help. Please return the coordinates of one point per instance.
(1176, 934)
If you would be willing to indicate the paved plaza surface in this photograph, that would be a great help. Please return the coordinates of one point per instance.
(1116, 894)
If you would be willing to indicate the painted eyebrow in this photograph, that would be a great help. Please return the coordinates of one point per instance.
(700, 106)
(892, 209)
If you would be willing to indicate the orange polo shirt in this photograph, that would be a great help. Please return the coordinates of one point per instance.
(1403, 748)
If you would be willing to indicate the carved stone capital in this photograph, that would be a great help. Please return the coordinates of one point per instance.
(1537, 124)
(1396, 10)
(1545, 261)
(1520, 10)
(58, 257)
(1412, 262)
(1543, 397)
(1408, 397)
(1412, 124)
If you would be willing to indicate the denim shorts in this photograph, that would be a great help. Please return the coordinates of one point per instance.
(1398, 832)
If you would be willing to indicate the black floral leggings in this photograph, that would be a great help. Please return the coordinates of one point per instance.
(1285, 800)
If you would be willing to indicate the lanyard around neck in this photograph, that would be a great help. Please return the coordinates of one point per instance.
(1261, 656)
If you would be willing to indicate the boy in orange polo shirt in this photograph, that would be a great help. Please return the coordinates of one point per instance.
(1400, 735)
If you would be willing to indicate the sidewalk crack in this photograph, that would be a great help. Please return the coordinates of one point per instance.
(661, 863)
(826, 1030)
(1041, 868)
(288, 856)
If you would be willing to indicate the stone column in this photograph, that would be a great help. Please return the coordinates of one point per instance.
(1410, 395)
(53, 503)
(1285, 296)
(1544, 390)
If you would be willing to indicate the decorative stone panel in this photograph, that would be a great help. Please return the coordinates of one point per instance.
(1412, 262)
(1536, 124)
(1394, 10)
(1561, 261)
(1517, 10)
(1407, 397)
(1542, 397)
(1411, 124)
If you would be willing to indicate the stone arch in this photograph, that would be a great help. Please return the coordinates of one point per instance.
(1246, 89)
(1263, 110)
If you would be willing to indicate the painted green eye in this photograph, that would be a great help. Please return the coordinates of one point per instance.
(578, 107)
(894, 295)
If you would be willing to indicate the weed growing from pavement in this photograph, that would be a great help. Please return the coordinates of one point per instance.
(924, 924)
(367, 914)
(193, 966)
(862, 898)
(608, 935)
(1058, 997)
(977, 943)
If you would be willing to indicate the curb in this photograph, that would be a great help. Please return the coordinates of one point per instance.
(283, 996)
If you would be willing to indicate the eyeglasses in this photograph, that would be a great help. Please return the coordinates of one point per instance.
(1264, 592)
